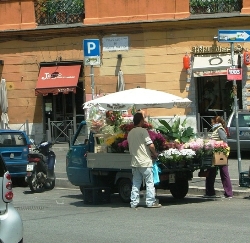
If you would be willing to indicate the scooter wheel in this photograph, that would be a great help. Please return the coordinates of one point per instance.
(34, 185)
(50, 184)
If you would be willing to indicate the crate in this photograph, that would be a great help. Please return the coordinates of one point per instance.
(220, 159)
(100, 149)
(244, 179)
(100, 146)
(96, 195)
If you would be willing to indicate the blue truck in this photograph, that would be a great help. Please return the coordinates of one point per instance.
(89, 166)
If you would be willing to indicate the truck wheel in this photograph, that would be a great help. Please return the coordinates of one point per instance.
(179, 189)
(124, 188)
(82, 189)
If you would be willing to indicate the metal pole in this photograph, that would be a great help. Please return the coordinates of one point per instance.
(92, 81)
(236, 112)
(70, 136)
(27, 128)
(205, 134)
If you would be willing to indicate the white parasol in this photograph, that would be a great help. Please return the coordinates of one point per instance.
(141, 98)
(4, 105)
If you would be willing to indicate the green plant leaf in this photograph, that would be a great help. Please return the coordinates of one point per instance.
(165, 124)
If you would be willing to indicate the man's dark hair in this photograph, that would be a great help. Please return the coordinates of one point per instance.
(137, 118)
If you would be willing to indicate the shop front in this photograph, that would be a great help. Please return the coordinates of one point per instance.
(214, 93)
(62, 93)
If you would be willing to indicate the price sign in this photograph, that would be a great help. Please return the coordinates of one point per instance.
(234, 74)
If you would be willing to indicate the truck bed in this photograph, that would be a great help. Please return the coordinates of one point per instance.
(109, 161)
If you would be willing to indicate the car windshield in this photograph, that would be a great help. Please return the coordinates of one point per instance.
(12, 139)
(243, 119)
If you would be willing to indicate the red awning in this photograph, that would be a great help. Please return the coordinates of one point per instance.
(57, 79)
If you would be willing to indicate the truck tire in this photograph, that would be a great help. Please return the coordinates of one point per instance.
(82, 189)
(179, 189)
(124, 188)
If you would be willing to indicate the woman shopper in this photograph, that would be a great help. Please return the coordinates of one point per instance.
(219, 133)
(142, 149)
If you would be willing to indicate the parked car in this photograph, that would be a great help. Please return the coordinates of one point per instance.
(14, 147)
(11, 226)
(244, 130)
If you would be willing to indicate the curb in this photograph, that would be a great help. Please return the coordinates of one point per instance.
(219, 192)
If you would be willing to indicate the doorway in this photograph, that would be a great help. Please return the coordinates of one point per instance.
(215, 97)
(61, 109)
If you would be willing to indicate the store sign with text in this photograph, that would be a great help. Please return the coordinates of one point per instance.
(234, 74)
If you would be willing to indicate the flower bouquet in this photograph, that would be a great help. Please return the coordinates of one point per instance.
(174, 157)
(114, 118)
(115, 142)
(156, 137)
(206, 148)
(126, 127)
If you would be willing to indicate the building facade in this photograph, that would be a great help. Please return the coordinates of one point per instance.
(42, 58)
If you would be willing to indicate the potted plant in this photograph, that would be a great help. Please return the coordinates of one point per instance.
(177, 131)
(174, 157)
(75, 12)
(199, 6)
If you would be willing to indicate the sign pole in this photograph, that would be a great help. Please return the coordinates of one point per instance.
(236, 111)
(92, 58)
(92, 81)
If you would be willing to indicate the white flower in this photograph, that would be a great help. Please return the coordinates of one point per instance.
(174, 153)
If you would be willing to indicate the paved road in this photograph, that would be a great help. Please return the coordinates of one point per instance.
(61, 216)
(196, 186)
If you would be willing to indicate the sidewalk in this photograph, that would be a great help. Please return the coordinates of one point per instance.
(196, 186)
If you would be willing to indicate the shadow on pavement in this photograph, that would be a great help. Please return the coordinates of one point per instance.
(115, 201)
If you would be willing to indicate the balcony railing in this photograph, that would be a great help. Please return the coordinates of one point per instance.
(50, 12)
(215, 6)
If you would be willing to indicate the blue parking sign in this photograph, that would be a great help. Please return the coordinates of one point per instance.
(91, 48)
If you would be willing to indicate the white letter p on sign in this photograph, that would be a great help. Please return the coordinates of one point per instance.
(91, 46)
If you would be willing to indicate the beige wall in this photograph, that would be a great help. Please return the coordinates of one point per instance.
(154, 61)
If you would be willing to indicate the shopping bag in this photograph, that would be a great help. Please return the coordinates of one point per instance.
(156, 171)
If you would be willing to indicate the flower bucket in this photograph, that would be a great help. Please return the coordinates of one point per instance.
(207, 161)
(164, 166)
(173, 164)
(189, 163)
(181, 164)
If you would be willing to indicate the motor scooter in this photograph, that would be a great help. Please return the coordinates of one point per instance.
(40, 168)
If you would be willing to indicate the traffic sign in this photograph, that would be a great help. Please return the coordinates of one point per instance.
(234, 35)
(91, 48)
(234, 74)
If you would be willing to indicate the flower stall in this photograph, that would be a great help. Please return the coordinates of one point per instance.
(180, 152)
(177, 145)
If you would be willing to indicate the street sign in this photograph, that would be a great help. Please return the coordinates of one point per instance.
(234, 74)
(234, 35)
(91, 48)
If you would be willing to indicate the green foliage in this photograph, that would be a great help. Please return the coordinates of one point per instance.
(55, 6)
(177, 131)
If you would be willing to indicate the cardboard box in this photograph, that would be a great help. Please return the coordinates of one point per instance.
(220, 159)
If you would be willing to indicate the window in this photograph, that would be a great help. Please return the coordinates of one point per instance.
(12, 139)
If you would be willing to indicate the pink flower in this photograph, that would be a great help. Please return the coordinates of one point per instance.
(123, 144)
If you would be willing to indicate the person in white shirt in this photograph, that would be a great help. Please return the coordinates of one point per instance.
(142, 150)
